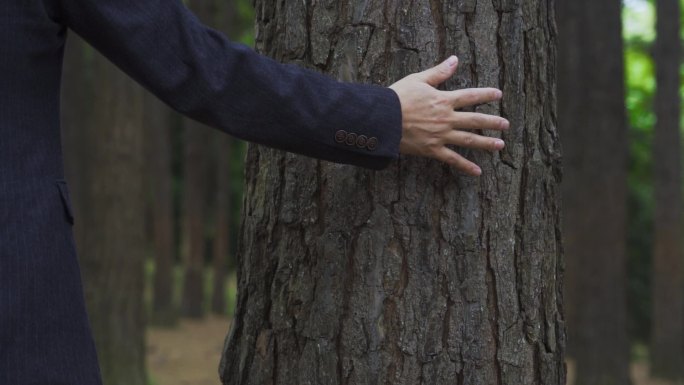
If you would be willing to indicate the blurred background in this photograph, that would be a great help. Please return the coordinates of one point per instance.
(161, 290)
(157, 199)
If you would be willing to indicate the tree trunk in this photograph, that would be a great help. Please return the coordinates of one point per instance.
(667, 337)
(416, 274)
(194, 214)
(236, 21)
(158, 127)
(594, 132)
(195, 180)
(112, 253)
(229, 22)
(222, 218)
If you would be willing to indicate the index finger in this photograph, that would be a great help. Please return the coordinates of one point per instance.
(473, 96)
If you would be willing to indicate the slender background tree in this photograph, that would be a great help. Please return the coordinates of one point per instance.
(195, 193)
(594, 132)
(223, 145)
(667, 337)
(111, 231)
(157, 125)
(227, 17)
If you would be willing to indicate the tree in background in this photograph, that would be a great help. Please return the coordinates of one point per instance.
(594, 133)
(227, 16)
(106, 167)
(667, 337)
(194, 217)
(416, 274)
(223, 145)
(195, 193)
(157, 126)
(639, 35)
(104, 124)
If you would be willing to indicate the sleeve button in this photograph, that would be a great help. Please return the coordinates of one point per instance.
(372, 143)
(341, 136)
(362, 141)
(351, 139)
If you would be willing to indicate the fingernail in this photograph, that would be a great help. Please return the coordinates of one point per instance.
(498, 94)
(504, 124)
(452, 61)
(477, 171)
(499, 143)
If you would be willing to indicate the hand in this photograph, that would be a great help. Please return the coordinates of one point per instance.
(430, 122)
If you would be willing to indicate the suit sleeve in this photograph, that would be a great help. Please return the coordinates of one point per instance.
(201, 74)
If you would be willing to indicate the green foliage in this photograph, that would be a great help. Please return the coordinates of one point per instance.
(246, 15)
(641, 85)
(639, 35)
(178, 276)
(639, 353)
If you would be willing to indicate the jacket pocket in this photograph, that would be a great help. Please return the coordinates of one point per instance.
(66, 200)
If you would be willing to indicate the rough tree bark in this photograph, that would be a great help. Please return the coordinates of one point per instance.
(113, 248)
(594, 132)
(667, 334)
(416, 274)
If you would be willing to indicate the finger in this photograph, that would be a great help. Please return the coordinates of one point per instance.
(440, 73)
(454, 159)
(477, 121)
(470, 140)
(473, 96)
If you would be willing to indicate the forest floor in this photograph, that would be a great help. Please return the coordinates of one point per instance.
(190, 354)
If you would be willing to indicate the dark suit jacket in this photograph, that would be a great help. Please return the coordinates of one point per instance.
(44, 332)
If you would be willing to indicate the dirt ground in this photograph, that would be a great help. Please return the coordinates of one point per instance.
(639, 375)
(190, 354)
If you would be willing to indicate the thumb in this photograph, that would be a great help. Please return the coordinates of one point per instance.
(440, 73)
